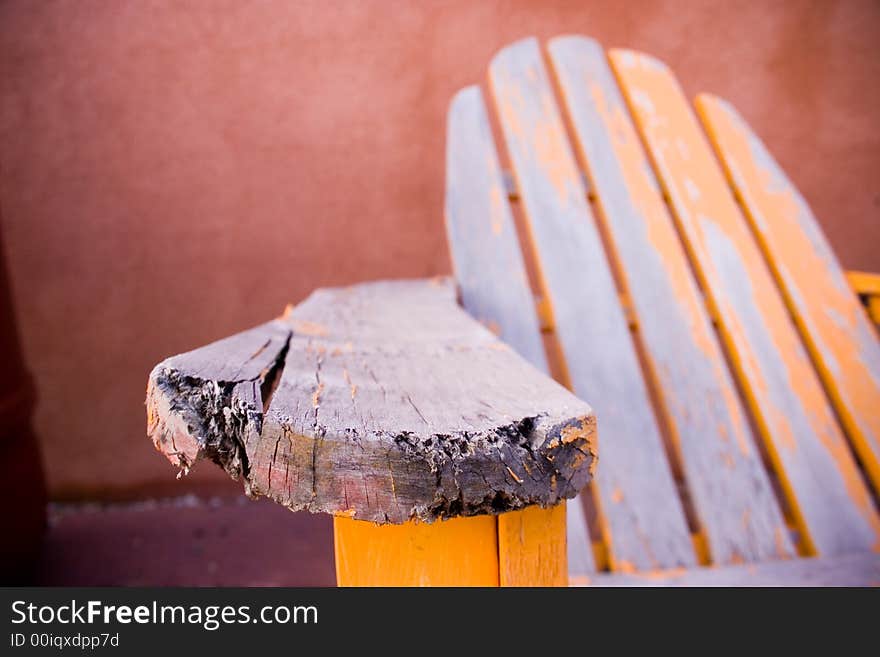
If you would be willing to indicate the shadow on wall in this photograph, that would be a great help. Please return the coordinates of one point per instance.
(22, 485)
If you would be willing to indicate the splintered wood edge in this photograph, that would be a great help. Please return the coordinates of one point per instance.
(214, 403)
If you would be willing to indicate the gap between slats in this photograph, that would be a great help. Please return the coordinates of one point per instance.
(558, 370)
(659, 405)
(653, 387)
(791, 505)
(783, 497)
(834, 401)
(592, 501)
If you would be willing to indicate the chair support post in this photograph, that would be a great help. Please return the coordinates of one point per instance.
(518, 548)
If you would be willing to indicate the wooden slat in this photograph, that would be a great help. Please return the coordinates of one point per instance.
(531, 547)
(487, 259)
(829, 498)
(730, 490)
(863, 282)
(457, 552)
(579, 544)
(874, 309)
(641, 515)
(486, 256)
(833, 324)
(849, 570)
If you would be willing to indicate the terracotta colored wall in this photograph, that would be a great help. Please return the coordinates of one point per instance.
(176, 171)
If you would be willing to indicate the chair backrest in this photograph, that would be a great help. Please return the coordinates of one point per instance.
(729, 432)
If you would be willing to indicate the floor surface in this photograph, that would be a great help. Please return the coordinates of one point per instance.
(186, 541)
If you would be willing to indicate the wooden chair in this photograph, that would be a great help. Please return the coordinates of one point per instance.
(683, 288)
(686, 290)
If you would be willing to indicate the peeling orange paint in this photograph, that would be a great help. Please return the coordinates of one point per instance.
(304, 327)
(679, 340)
(656, 575)
(492, 326)
(781, 542)
(791, 410)
(352, 387)
(832, 322)
(316, 395)
(497, 216)
(626, 567)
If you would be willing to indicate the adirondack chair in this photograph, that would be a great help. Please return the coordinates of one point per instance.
(690, 296)
(683, 288)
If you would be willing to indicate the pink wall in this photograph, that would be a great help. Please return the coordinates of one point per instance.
(176, 171)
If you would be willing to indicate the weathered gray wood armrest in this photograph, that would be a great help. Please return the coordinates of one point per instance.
(383, 401)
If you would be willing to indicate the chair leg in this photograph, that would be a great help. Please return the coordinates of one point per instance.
(520, 548)
(532, 547)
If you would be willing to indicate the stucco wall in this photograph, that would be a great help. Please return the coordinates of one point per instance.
(173, 172)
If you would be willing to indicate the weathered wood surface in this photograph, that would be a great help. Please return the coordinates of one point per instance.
(847, 570)
(641, 518)
(833, 324)
(486, 256)
(831, 503)
(382, 402)
(730, 491)
(487, 260)
(579, 543)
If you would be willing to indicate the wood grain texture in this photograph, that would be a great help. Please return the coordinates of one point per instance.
(838, 334)
(532, 547)
(848, 570)
(817, 471)
(487, 260)
(641, 520)
(390, 403)
(456, 552)
(731, 493)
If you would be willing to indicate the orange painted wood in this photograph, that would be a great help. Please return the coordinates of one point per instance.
(867, 285)
(731, 493)
(829, 498)
(832, 322)
(874, 309)
(487, 259)
(457, 552)
(863, 282)
(641, 517)
(532, 547)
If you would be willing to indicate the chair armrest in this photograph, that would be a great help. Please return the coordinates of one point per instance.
(382, 402)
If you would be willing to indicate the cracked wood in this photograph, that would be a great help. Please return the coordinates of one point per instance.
(382, 402)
